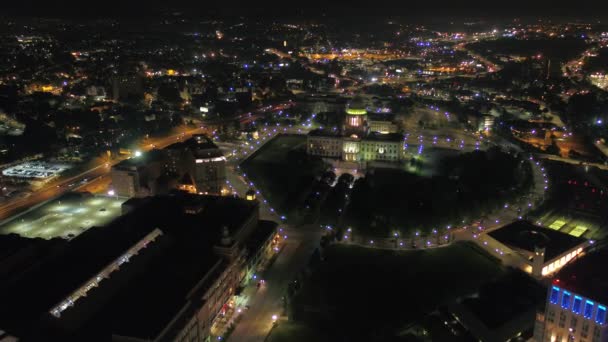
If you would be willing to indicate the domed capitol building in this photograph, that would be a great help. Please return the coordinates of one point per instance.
(364, 138)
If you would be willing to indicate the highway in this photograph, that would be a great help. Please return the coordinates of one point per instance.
(93, 177)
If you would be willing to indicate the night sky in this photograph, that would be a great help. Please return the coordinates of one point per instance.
(297, 8)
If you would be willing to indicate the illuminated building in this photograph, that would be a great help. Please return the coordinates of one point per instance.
(382, 147)
(356, 118)
(136, 177)
(202, 160)
(357, 142)
(575, 308)
(382, 123)
(324, 144)
(163, 271)
(250, 195)
(536, 250)
(599, 80)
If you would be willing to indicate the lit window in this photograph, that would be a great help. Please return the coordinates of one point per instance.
(554, 295)
(600, 317)
(576, 306)
(588, 309)
(566, 300)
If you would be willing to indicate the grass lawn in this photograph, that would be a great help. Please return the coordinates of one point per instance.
(296, 332)
(367, 292)
(283, 172)
(277, 149)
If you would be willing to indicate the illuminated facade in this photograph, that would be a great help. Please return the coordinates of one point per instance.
(535, 250)
(136, 177)
(356, 118)
(576, 304)
(382, 150)
(326, 146)
(357, 143)
(200, 159)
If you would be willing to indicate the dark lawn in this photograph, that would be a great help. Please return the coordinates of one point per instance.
(367, 292)
(283, 172)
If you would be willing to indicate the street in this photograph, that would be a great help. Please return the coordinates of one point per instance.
(82, 180)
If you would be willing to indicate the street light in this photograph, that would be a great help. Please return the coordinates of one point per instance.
(111, 193)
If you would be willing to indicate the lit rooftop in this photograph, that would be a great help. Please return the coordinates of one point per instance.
(66, 216)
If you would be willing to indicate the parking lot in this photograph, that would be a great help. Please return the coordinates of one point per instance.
(35, 169)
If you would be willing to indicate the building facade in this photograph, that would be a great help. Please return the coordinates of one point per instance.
(136, 177)
(358, 142)
(576, 302)
(571, 316)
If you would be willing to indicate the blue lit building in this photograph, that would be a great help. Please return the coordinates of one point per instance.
(577, 302)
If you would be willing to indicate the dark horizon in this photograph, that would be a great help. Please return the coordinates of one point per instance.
(71, 9)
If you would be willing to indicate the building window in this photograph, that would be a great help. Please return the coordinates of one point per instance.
(566, 300)
(585, 329)
(600, 316)
(573, 322)
(576, 307)
(554, 295)
(562, 319)
(588, 309)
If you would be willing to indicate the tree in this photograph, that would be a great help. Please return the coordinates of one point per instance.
(169, 93)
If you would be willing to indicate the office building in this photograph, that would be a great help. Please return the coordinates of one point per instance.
(201, 160)
(137, 176)
(576, 303)
(127, 85)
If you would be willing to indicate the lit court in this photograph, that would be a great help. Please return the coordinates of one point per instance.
(65, 217)
(578, 231)
(557, 225)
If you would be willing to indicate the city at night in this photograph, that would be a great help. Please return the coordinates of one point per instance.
(299, 172)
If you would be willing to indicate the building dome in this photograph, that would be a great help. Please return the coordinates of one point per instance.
(356, 107)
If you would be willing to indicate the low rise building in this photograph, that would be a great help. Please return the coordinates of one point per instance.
(536, 250)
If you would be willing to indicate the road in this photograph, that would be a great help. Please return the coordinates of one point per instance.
(255, 324)
(257, 321)
(301, 241)
(572, 161)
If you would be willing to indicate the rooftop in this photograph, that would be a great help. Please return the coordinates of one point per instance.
(394, 137)
(525, 235)
(197, 142)
(381, 117)
(35, 169)
(66, 216)
(324, 133)
(144, 159)
(356, 106)
(171, 266)
(586, 276)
